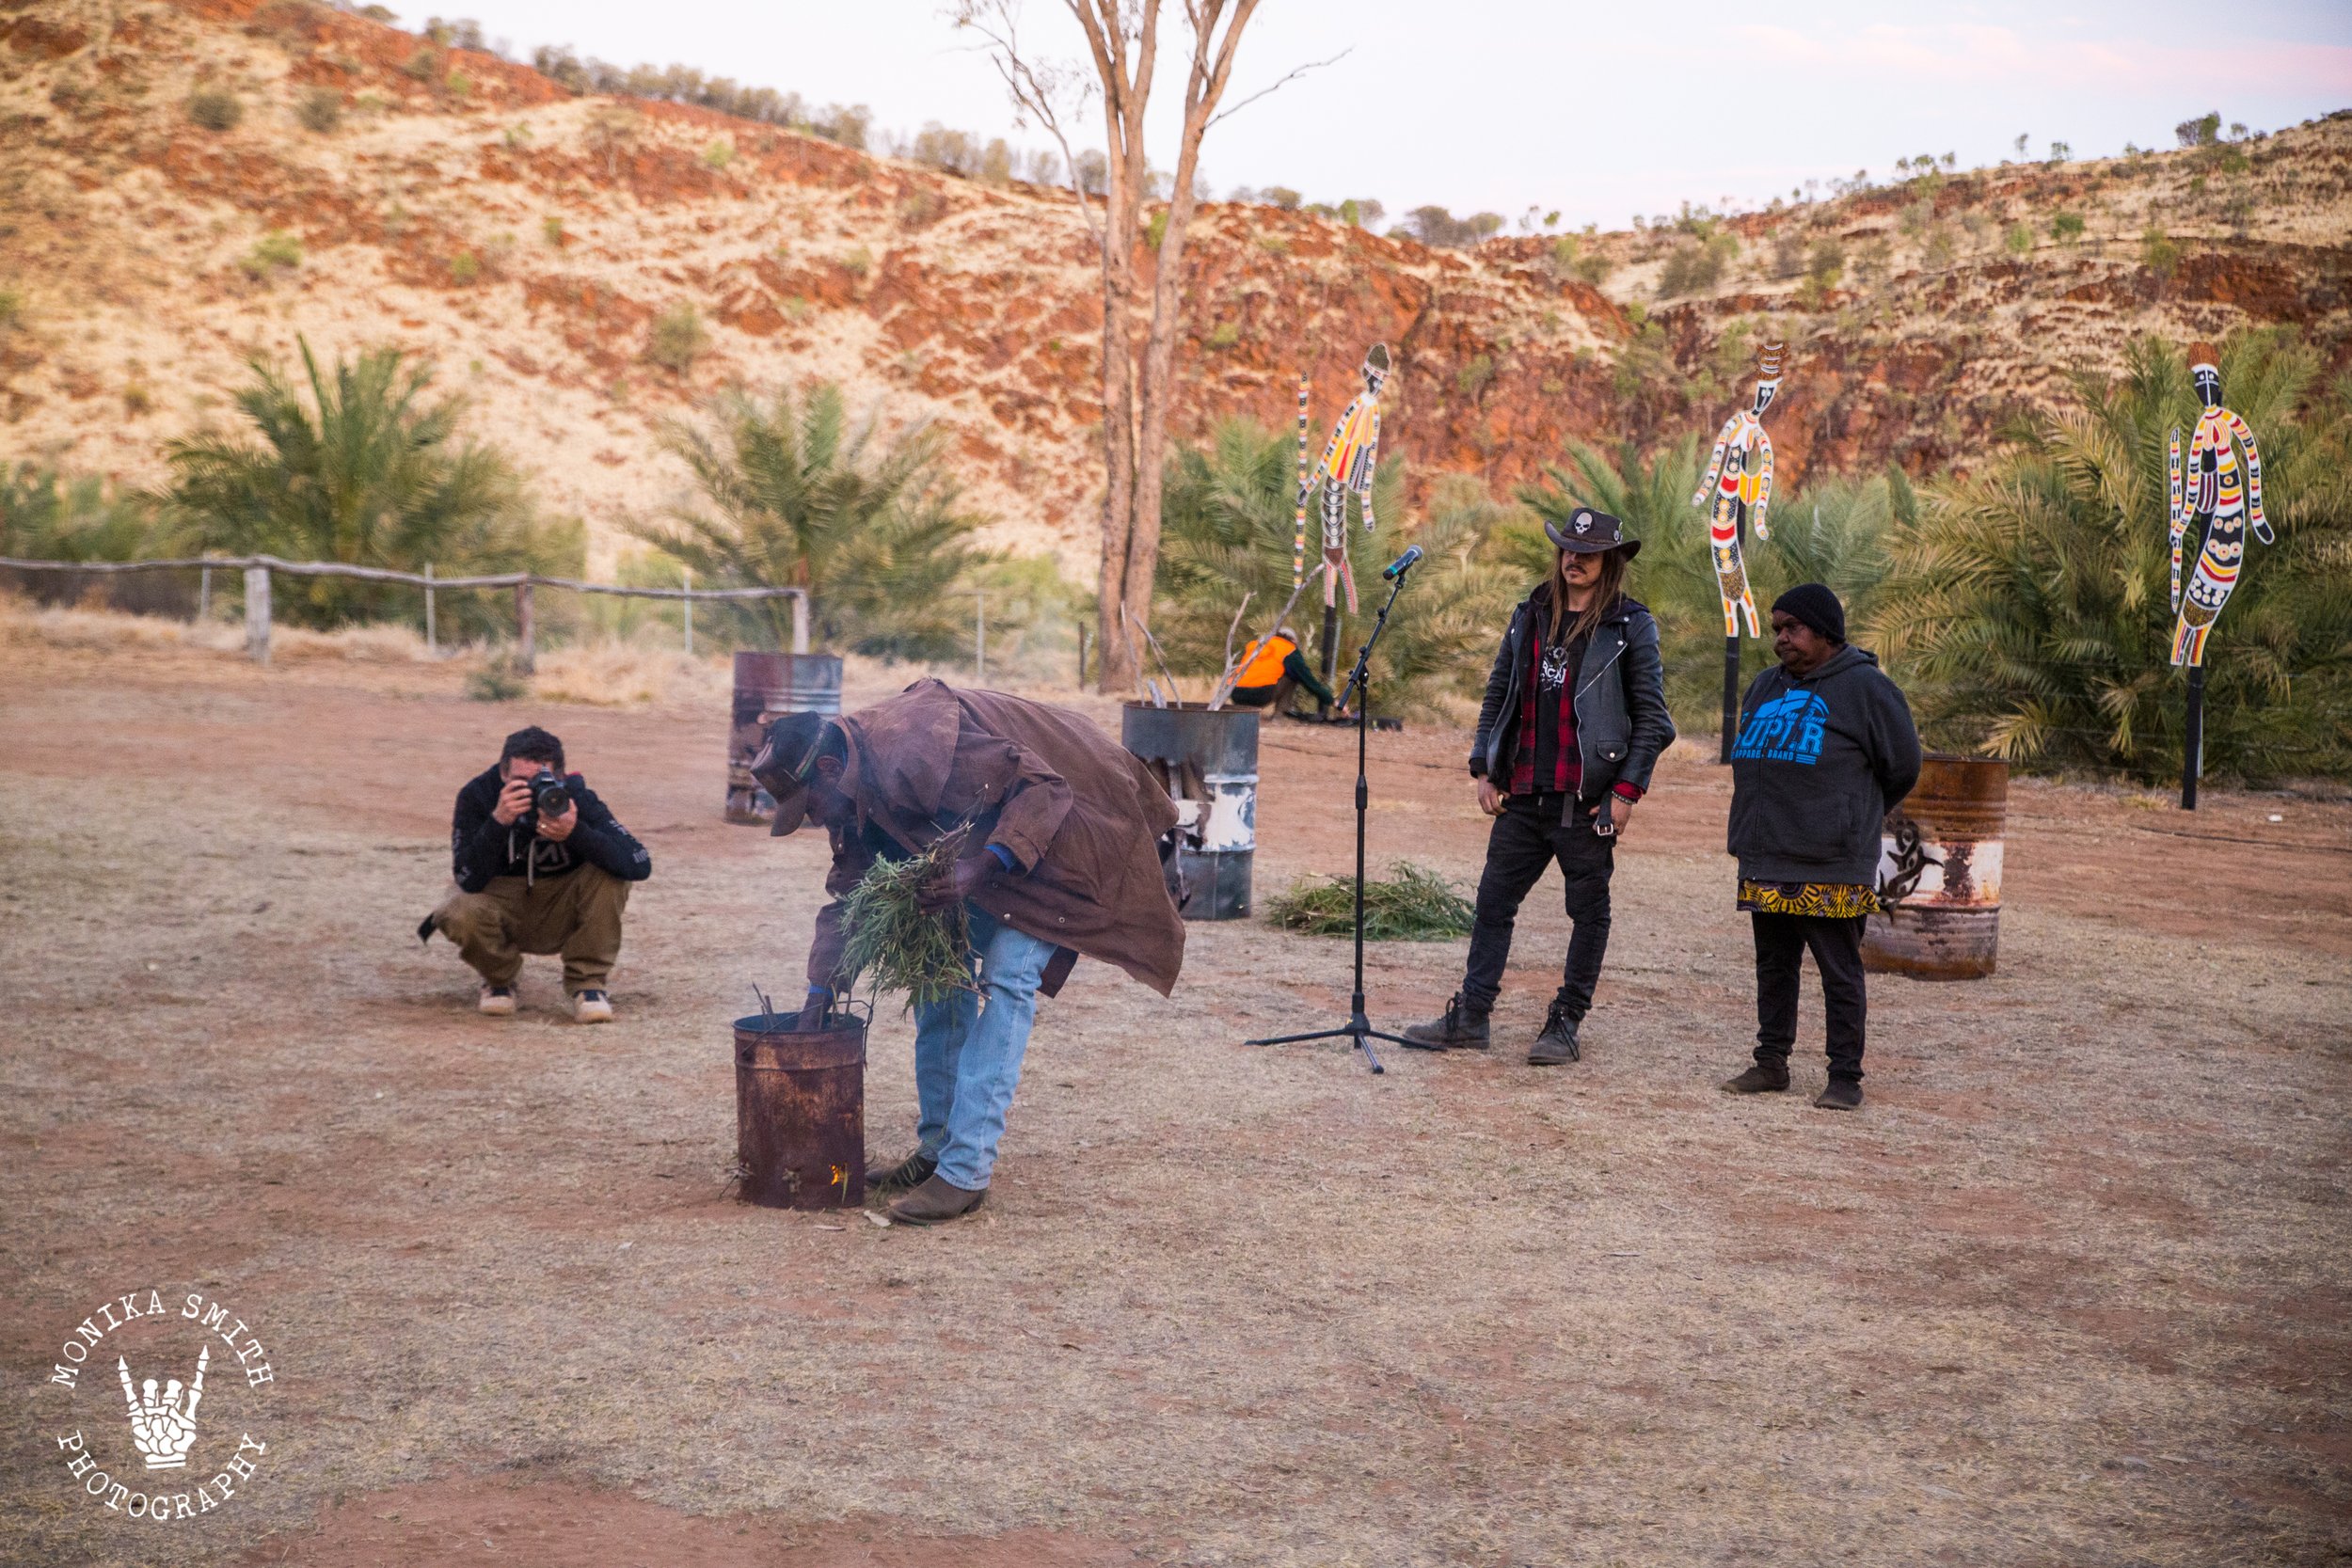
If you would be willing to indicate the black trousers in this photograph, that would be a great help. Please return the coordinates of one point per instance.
(1527, 837)
(1781, 941)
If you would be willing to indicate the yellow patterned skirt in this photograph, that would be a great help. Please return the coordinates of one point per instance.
(1828, 900)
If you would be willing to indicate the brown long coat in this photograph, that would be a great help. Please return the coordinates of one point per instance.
(1080, 816)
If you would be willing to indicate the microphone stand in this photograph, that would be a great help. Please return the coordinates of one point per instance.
(1357, 1028)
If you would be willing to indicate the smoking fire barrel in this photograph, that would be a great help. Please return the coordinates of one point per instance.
(765, 685)
(800, 1112)
(1209, 763)
(1940, 874)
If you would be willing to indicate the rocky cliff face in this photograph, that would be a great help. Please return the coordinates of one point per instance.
(530, 242)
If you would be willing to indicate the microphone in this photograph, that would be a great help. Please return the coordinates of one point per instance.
(1402, 564)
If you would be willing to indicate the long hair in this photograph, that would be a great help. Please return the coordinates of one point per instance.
(1561, 628)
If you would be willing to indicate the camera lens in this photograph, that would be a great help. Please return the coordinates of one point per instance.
(549, 794)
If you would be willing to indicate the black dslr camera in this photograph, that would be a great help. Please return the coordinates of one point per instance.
(548, 798)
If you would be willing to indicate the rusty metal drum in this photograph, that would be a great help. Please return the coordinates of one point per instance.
(1940, 874)
(765, 685)
(800, 1112)
(1209, 763)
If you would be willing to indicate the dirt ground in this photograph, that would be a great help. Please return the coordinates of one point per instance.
(2072, 1290)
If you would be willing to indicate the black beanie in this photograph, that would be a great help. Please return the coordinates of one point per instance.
(1817, 608)
(535, 743)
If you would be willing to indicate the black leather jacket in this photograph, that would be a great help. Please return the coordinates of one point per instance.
(1621, 719)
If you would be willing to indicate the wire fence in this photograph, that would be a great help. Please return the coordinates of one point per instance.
(257, 570)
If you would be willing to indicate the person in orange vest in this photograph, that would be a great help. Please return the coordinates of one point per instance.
(1271, 669)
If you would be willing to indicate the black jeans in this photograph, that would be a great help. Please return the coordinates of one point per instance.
(1780, 943)
(1527, 837)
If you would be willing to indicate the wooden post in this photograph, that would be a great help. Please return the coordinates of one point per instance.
(1731, 693)
(203, 594)
(979, 638)
(526, 640)
(257, 614)
(2193, 738)
(800, 621)
(1082, 655)
(688, 573)
(432, 634)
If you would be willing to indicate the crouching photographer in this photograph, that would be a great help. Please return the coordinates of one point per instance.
(542, 866)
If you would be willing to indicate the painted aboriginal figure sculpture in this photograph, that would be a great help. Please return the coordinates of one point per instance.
(1740, 472)
(1349, 460)
(2212, 497)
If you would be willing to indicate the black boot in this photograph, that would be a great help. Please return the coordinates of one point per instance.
(1558, 1042)
(900, 1176)
(1759, 1079)
(1842, 1094)
(1460, 1030)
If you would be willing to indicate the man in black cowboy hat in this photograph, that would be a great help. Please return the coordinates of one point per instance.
(1574, 719)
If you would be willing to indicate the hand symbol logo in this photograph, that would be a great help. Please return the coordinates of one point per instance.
(161, 1427)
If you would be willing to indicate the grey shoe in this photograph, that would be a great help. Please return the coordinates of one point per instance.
(1460, 1030)
(1758, 1079)
(1558, 1042)
(1843, 1094)
(902, 1174)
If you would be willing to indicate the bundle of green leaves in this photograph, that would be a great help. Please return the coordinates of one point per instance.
(923, 955)
(1415, 904)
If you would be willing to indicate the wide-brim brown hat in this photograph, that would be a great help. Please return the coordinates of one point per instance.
(782, 767)
(1590, 532)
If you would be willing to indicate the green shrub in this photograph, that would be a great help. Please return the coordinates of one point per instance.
(215, 108)
(1476, 371)
(46, 516)
(368, 471)
(274, 251)
(2066, 227)
(2159, 253)
(858, 263)
(552, 230)
(458, 83)
(12, 308)
(320, 109)
(1224, 335)
(719, 154)
(497, 681)
(676, 338)
(2019, 239)
(1695, 266)
(795, 494)
(465, 268)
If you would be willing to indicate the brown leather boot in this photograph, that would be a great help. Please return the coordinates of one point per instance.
(936, 1202)
(1758, 1079)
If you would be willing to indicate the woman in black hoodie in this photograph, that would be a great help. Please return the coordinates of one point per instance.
(1575, 717)
(1826, 750)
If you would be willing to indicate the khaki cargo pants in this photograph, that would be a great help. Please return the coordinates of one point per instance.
(576, 914)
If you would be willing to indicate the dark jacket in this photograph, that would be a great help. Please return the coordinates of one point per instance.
(481, 848)
(1621, 721)
(1079, 815)
(1818, 762)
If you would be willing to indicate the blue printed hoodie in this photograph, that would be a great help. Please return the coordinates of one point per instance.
(1819, 760)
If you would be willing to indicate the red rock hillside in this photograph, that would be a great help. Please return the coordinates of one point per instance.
(528, 240)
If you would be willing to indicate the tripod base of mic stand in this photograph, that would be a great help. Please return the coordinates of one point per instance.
(1357, 1028)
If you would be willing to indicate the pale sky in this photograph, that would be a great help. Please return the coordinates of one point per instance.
(1599, 111)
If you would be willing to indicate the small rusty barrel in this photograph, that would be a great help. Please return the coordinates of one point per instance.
(765, 685)
(1940, 874)
(1209, 762)
(800, 1112)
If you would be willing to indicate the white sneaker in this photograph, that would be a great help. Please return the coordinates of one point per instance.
(592, 1007)
(498, 1001)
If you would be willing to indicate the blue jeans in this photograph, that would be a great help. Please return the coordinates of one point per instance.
(968, 1051)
